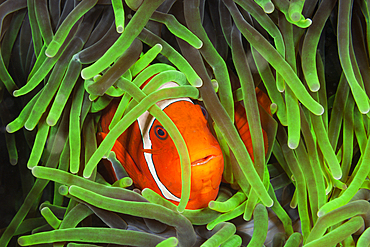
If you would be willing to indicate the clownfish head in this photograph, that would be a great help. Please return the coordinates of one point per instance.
(163, 160)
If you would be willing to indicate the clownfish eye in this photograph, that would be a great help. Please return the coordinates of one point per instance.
(160, 132)
(204, 111)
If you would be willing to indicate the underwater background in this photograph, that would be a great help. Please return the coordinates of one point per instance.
(63, 61)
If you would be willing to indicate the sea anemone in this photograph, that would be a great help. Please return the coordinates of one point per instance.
(63, 62)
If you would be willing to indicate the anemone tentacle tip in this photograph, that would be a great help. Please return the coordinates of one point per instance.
(322, 110)
(295, 16)
(173, 241)
(269, 8)
(73, 171)
(15, 93)
(273, 108)
(180, 210)
(63, 190)
(27, 127)
(200, 45)
(198, 82)
(320, 213)
(159, 46)
(337, 176)
(270, 203)
(52, 48)
(13, 161)
(21, 241)
(292, 144)
(49, 55)
(83, 74)
(8, 129)
(50, 121)
(315, 87)
(308, 22)
(34, 170)
(365, 111)
(120, 29)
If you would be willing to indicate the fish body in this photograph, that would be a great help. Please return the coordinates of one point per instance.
(150, 157)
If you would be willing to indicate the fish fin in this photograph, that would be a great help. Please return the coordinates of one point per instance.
(153, 151)
(263, 100)
(242, 123)
(243, 129)
(146, 82)
(108, 114)
(124, 158)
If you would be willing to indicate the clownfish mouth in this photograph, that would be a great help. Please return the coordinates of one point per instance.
(203, 160)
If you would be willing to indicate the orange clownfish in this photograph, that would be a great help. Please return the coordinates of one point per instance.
(150, 157)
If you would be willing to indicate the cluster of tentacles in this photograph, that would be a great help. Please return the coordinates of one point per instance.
(63, 61)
